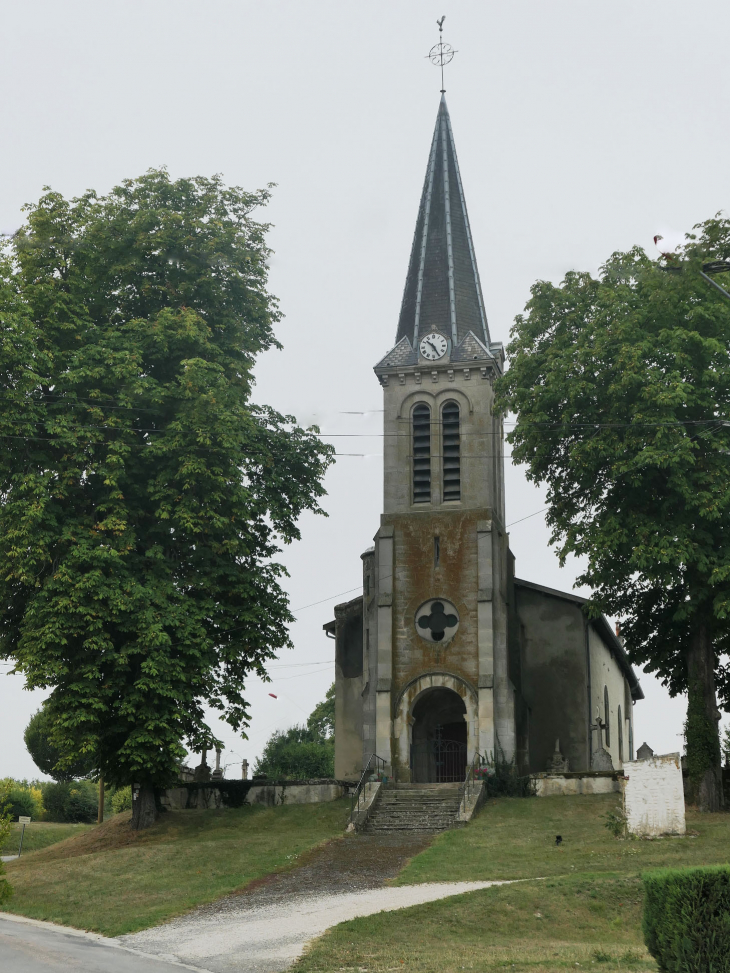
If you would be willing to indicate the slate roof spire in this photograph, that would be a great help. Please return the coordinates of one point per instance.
(442, 291)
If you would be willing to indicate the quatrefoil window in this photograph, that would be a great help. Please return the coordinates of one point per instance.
(437, 620)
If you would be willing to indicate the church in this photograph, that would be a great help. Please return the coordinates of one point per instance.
(447, 656)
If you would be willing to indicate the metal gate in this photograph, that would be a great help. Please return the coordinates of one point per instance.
(438, 762)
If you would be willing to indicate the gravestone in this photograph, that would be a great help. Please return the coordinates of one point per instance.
(558, 764)
(654, 795)
(202, 771)
(601, 760)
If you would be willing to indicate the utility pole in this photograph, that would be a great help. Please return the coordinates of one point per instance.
(100, 815)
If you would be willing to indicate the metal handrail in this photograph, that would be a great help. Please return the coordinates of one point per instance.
(467, 788)
(373, 759)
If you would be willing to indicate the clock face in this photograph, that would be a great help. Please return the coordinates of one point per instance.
(433, 346)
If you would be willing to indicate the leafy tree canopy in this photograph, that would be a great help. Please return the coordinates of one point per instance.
(303, 752)
(46, 755)
(321, 720)
(143, 496)
(621, 388)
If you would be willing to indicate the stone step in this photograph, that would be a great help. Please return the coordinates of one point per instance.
(416, 808)
(434, 812)
(408, 805)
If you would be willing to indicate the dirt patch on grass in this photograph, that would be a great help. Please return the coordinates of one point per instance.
(344, 864)
(114, 833)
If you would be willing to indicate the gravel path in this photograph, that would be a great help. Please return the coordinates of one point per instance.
(266, 927)
(270, 937)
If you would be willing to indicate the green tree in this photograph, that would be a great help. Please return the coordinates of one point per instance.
(143, 496)
(46, 756)
(296, 754)
(621, 388)
(321, 720)
(303, 752)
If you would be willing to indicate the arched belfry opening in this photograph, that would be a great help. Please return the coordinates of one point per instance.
(438, 742)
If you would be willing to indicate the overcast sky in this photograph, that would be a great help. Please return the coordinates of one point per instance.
(581, 129)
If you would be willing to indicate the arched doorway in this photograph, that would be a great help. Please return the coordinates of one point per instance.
(438, 742)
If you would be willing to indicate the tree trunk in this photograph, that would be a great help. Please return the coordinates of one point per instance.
(100, 813)
(702, 726)
(144, 808)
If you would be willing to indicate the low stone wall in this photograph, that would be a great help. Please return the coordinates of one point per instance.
(474, 800)
(368, 801)
(588, 782)
(270, 793)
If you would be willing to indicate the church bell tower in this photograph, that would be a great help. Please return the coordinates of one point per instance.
(447, 655)
(433, 687)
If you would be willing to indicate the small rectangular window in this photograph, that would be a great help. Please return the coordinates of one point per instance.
(436, 551)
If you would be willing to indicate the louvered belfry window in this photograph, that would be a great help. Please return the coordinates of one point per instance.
(452, 451)
(421, 454)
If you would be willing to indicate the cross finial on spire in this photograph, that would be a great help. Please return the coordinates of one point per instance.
(441, 53)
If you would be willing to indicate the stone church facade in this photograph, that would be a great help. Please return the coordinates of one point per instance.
(446, 654)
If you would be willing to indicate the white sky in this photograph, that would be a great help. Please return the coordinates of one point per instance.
(582, 128)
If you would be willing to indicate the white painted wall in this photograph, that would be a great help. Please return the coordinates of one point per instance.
(607, 673)
(654, 796)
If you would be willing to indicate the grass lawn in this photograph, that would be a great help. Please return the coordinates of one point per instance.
(113, 880)
(515, 838)
(585, 911)
(40, 834)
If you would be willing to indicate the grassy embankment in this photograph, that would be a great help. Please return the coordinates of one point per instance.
(40, 834)
(112, 880)
(586, 911)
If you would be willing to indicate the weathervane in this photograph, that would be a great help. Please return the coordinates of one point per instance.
(441, 54)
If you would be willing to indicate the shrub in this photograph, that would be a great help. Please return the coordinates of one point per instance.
(82, 806)
(19, 797)
(6, 889)
(122, 800)
(71, 801)
(615, 821)
(501, 779)
(233, 792)
(297, 754)
(54, 798)
(687, 919)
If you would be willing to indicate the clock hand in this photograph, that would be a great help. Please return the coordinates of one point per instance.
(432, 345)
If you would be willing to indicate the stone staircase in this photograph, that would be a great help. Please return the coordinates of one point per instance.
(415, 808)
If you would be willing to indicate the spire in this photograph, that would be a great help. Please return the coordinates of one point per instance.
(442, 290)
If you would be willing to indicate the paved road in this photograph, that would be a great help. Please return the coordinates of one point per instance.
(40, 947)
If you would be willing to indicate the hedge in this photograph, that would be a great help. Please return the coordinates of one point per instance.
(233, 792)
(687, 919)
